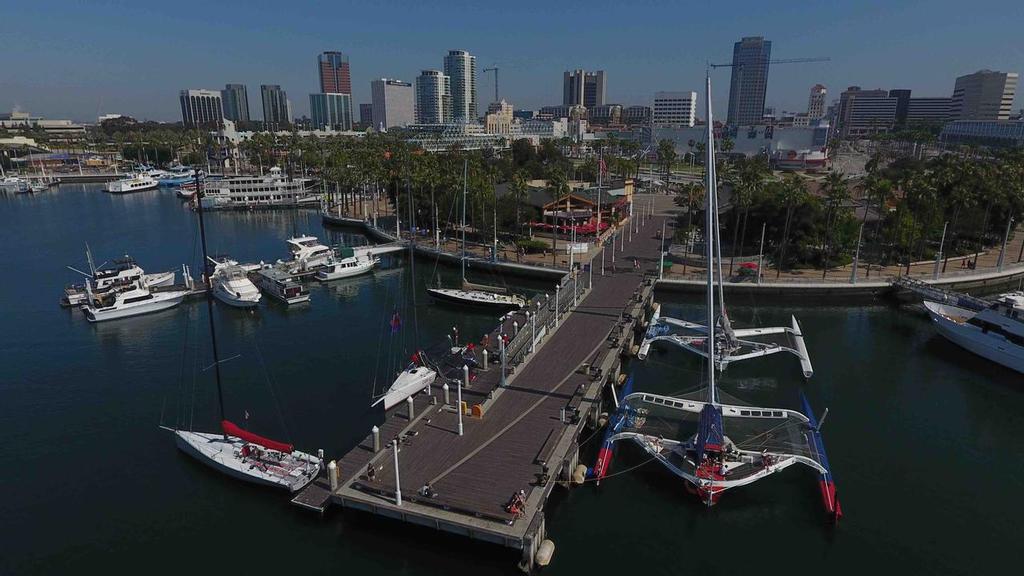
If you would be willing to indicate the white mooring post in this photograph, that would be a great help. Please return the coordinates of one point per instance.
(398, 483)
(412, 409)
(447, 398)
(558, 288)
(486, 365)
(533, 332)
(502, 343)
(376, 439)
(465, 371)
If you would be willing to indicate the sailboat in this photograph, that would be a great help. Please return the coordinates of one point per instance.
(475, 294)
(235, 451)
(715, 442)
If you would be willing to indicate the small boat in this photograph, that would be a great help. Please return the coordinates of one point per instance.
(186, 190)
(134, 301)
(416, 377)
(177, 175)
(308, 254)
(995, 333)
(133, 183)
(281, 284)
(347, 265)
(231, 285)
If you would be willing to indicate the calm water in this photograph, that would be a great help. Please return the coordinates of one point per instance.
(924, 438)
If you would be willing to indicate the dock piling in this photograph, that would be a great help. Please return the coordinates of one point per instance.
(447, 398)
(332, 474)
(465, 372)
(412, 408)
(398, 483)
(376, 439)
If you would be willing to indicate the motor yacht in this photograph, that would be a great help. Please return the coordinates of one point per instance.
(995, 333)
(231, 285)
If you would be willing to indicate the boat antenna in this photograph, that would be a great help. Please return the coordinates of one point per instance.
(709, 193)
(200, 192)
(465, 177)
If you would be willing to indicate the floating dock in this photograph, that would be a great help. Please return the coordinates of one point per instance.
(520, 432)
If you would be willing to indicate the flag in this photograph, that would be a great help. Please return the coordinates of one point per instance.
(396, 322)
(416, 358)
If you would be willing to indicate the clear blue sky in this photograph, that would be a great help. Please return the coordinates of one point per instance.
(75, 59)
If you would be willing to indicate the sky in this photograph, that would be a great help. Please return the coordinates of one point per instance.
(79, 59)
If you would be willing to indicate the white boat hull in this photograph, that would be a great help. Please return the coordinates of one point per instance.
(990, 346)
(476, 298)
(230, 299)
(161, 301)
(409, 382)
(338, 272)
(222, 454)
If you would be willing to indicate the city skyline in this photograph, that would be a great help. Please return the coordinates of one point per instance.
(873, 46)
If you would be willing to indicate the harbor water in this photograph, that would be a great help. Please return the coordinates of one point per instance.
(923, 437)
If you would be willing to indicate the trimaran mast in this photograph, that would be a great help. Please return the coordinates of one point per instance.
(209, 299)
(709, 227)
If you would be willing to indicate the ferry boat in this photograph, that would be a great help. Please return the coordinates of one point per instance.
(281, 284)
(347, 265)
(995, 333)
(133, 183)
(177, 175)
(121, 273)
(308, 254)
(250, 192)
(133, 301)
(231, 285)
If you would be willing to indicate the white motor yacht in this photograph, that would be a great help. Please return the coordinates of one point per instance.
(348, 265)
(231, 285)
(995, 333)
(308, 254)
(14, 184)
(133, 183)
(130, 302)
(119, 274)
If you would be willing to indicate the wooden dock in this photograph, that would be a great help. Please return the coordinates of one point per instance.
(520, 435)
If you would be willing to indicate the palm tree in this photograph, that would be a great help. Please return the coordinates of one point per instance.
(666, 156)
(793, 192)
(519, 190)
(557, 188)
(837, 192)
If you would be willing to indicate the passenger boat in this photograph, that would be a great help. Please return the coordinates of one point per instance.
(133, 301)
(231, 285)
(251, 192)
(281, 284)
(995, 333)
(308, 254)
(133, 183)
(346, 265)
(237, 452)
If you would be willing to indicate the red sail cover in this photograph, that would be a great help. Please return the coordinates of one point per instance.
(232, 430)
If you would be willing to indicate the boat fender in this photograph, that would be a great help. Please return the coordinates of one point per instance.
(544, 553)
(580, 474)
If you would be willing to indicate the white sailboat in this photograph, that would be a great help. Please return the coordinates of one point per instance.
(995, 333)
(237, 452)
(475, 294)
(231, 284)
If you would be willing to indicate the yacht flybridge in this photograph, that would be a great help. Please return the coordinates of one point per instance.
(308, 254)
(712, 441)
(995, 333)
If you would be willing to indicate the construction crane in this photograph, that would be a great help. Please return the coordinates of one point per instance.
(495, 70)
(783, 61)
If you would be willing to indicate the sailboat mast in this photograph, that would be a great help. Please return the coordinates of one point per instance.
(209, 298)
(709, 193)
(465, 177)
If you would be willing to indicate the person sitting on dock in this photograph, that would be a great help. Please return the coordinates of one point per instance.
(371, 472)
(427, 491)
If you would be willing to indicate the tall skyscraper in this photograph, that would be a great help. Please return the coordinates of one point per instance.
(865, 112)
(335, 75)
(392, 103)
(201, 108)
(750, 57)
(675, 109)
(816, 102)
(984, 95)
(460, 67)
(275, 107)
(236, 102)
(433, 98)
(580, 88)
(331, 111)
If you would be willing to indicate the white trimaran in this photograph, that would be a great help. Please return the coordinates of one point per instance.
(475, 294)
(234, 451)
(761, 441)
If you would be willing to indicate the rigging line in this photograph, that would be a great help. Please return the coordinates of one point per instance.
(181, 370)
(195, 355)
(270, 385)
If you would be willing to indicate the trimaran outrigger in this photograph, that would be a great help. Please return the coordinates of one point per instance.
(235, 451)
(711, 440)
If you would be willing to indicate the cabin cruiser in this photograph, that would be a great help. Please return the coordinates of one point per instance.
(231, 285)
(995, 333)
(121, 273)
(281, 284)
(308, 254)
(346, 265)
(136, 300)
(177, 175)
(133, 183)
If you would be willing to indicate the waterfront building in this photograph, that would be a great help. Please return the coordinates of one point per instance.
(537, 130)
(499, 118)
(460, 68)
(984, 95)
(995, 133)
(335, 75)
(524, 114)
(675, 108)
(902, 104)
(816, 102)
(605, 115)
(555, 111)
(433, 98)
(637, 115)
(580, 88)
(788, 146)
(750, 57)
(928, 110)
(276, 108)
(436, 137)
(331, 111)
(865, 112)
(393, 103)
(235, 100)
(201, 108)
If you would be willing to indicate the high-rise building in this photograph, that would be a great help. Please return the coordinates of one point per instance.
(865, 112)
(275, 107)
(580, 88)
(984, 95)
(927, 110)
(902, 97)
(393, 103)
(433, 98)
(499, 118)
(816, 102)
(331, 111)
(460, 68)
(750, 57)
(236, 102)
(201, 108)
(675, 109)
(335, 75)
(366, 114)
